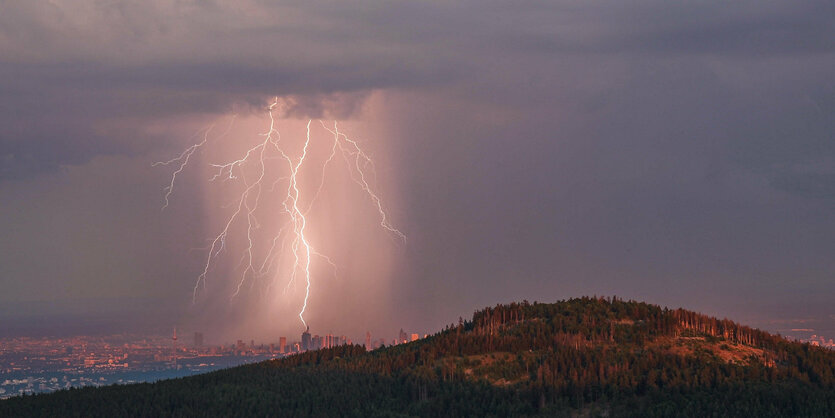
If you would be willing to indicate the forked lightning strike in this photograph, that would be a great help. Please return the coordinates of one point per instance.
(292, 234)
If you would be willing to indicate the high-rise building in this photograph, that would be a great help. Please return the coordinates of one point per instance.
(306, 340)
(402, 337)
(198, 339)
(282, 345)
(368, 341)
(174, 347)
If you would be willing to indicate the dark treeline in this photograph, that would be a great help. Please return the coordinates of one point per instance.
(592, 356)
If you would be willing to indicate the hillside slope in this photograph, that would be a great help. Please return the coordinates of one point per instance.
(586, 356)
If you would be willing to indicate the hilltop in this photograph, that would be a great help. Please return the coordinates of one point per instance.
(578, 357)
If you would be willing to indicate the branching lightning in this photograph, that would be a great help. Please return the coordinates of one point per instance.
(292, 236)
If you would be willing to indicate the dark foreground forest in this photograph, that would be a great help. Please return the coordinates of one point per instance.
(580, 357)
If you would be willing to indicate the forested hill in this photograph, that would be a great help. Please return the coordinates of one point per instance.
(580, 357)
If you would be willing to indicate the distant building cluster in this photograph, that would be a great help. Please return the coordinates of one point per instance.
(402, 338)
(315, 342)
(32, 365)
(820, 341)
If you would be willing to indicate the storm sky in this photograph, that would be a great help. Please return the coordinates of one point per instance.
(680, 153)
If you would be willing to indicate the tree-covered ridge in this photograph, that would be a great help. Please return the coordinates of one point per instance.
(602, 341)
(591, 356)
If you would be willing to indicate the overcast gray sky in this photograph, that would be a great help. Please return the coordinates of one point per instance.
(680, 153)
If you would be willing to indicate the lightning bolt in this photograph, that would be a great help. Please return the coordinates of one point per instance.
(292, 235)
(359, 157)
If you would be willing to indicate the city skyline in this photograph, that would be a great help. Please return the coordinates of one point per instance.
(31, 365)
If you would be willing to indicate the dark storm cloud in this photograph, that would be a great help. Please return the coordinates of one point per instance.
(72, 66)
(90, 60)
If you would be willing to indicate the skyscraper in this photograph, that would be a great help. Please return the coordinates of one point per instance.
(306, 339)
(198, 339)
(282, 345)
(174, 347)
(316, 342)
